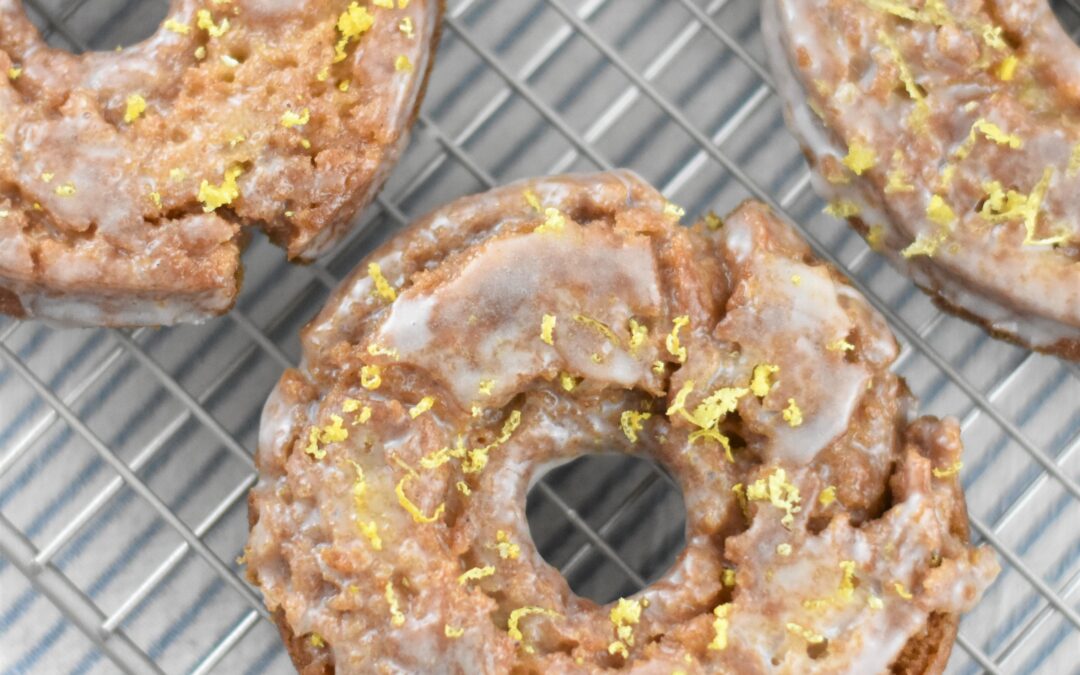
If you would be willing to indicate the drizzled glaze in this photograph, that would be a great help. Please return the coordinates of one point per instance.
(939, 100)
(471, 285)
(138, 222)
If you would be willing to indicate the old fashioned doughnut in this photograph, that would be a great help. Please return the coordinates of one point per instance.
(948, 133)
(826, 530)
(127, 178)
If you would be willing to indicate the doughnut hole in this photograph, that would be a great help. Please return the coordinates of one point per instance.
(630, 502)
(100, 25)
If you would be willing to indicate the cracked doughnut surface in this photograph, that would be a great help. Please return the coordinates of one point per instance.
(127, 178)
(826, 530)
(947, 133)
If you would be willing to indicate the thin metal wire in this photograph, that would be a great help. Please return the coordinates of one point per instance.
(517, 83)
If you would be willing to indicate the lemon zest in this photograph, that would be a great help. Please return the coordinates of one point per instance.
(720, 627)
(405, 26)
(371, 531)
(421, 407)
(847, 581)
(409, 506)
(792, 414)
(729, 578)
(547, 328)
(1006, 70)
(66, 190)
(475, 574)
(382, 287)
(922, 109)
(370, 376)
(215, 196)
(783, 549)
(874, 602)
(177, 27)
(554, 222)
(638, 335)
(600, 327)
(759, 381)
(135, 105)
(875, 238)
(827, 496)
(508, 550)
(672, 343)
(673, 211)
(679, 402)
(567, 381)
(205, 20)
(512, 624)
(291, 118)
(902, 591)
(396, 617)
(317, 641)
(451, 632)
(776, 489)
(842, 209)
(805, 633)
(632, 422)
(950, 470)
(840, 345)
(860, 158)
(402, 64)
(353, 22)
(713, 221)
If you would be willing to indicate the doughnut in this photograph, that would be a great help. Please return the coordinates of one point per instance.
(947, 133)
(129, 178)
(518, 329)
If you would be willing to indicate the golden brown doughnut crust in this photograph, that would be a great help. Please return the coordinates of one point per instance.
(394, 466)
(127, 178)
(946, 132)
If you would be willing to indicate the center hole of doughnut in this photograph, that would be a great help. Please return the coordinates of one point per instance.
(97, 25)
(610, 523)
(1068, 14)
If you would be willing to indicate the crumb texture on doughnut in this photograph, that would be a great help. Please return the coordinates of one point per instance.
(826, 529)
(947, 133)
(127, 178)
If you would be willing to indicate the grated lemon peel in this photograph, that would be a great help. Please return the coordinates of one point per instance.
(205, 20)
(632, 422)
(513, 623)
(638, 335)
(776, 490)
(827, 496)
(335, 432)
(353, 22)
(720, 627)
(370, 376)
(382, 286)
(397, 618)
(475, 574)
(600, 327)
(674, 347)
(402, 64)
(507, 549)
(135, 106)
(860, 158)
(425, 404)
(451, 632)
(760, 384)
(554, 222)
(291, 118)
(214, 197)
(547, 329)
(948, 471)
(792, 414)
(805, 633)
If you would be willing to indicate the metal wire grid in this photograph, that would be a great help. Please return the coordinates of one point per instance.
(122, 492)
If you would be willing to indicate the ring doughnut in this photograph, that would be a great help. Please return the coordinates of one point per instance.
(128, 178)
(946, 132)
(826, 532)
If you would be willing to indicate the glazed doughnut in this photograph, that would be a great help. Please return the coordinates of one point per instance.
(127, 178)
(826, 531)
(947, 133)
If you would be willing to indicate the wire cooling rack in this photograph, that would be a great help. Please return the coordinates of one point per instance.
(125, 456)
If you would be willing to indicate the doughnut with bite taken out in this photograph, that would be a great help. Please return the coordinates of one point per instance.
(826, 529)
(947, 133)
(128, 178)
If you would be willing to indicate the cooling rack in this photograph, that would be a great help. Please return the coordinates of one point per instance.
(125, 456)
